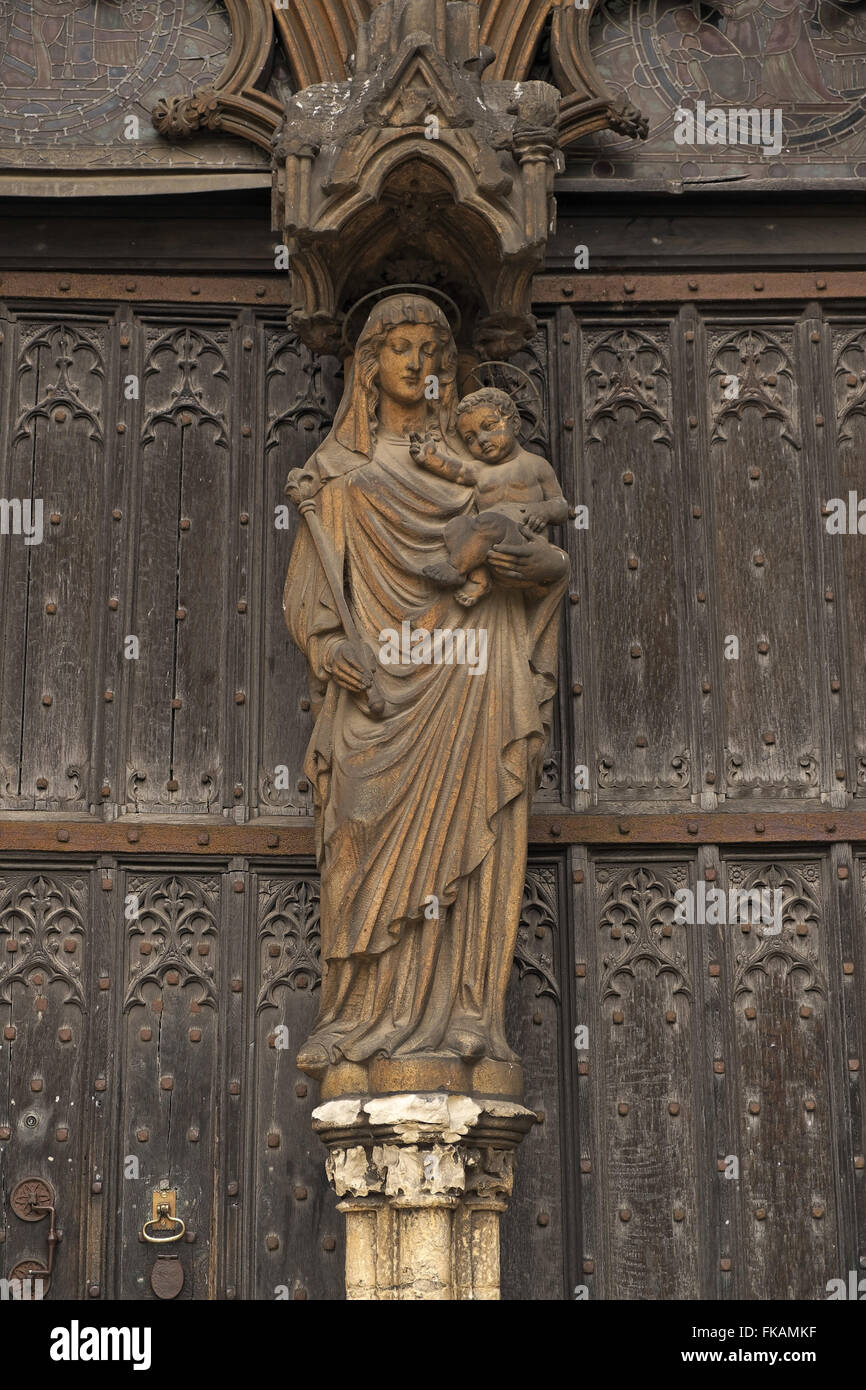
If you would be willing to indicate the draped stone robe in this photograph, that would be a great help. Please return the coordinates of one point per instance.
(421, 817)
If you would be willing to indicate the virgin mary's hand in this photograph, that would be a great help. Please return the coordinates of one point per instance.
(350, 666)
(527, 565)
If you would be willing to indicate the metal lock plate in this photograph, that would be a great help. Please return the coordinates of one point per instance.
(164, 1220)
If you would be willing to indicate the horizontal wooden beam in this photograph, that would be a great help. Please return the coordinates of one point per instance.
(698, 287)
(187, 287)
(136, 288)
(799, 826)
(275, 838)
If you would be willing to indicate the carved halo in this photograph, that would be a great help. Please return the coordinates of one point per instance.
(448, 306)
(517, 383)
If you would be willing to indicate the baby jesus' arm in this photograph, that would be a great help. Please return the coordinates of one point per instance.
(423, 451)
(554, 508)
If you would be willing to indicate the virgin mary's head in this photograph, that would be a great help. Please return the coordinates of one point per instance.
(407, 350)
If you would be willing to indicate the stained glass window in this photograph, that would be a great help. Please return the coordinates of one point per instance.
(73, 71)
(801, 61)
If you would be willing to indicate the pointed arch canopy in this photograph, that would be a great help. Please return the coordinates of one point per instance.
(318, 38)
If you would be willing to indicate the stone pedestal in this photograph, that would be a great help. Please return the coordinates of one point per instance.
(423, 1179)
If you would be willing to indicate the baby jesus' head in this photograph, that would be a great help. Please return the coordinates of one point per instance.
(488, 422)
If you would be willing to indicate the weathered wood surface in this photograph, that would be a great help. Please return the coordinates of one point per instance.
(777, 1026)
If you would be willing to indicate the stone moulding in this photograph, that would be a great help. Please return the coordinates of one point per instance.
(235, 103)
(587, 105)
(319, 39)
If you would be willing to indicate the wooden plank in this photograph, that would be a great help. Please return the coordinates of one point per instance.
(536, 1229)
(644, 1014)
(47, 1006)
(779, 994)
(192, 288)
(67, 428)
(174, 1108)
(298, 396)
(700, 286)
(846, 946)
(763, 541)
(234, 1192)
(202, 688)
(849, 435)
(148, 688)
(296, 1247)
(640, 747)
(276, 837)
(18, 392)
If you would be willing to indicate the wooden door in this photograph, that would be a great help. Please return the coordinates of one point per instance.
(158, 897)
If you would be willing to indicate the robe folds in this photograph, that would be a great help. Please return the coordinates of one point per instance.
(421, 816)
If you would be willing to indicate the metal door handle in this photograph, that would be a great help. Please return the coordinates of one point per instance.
(31, 1199)
(163, 1221)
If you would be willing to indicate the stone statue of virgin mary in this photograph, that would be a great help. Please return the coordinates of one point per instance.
(421, 808)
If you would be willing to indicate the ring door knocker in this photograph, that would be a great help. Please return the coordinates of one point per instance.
(31, 1200)
(167, 1276)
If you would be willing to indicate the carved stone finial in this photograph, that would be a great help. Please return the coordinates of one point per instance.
(415, 158)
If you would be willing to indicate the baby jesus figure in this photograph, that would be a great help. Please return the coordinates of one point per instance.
(516, 492)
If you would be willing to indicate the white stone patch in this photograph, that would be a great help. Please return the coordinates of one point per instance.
(340, 1113)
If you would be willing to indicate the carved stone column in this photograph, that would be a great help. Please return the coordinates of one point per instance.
(422, 1181)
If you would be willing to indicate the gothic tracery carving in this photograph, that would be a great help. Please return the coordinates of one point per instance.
(289, 936)
(760, 366)
(42, 928)
(174, 920)
(637, 916)
(628, 369)
(535, 951)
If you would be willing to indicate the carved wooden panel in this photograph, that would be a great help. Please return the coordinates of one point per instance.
(849, 435)
(781, 1079)
(762, 537)
(538, 1233)
(627, 475)
(187, 544)
(716, 624)
(720, 1089)
(297, 1234)
(150, 1020)
(145, 666)
(59, 382)
(641, 1003)
(299, 398)
(174, 1106)
(50, 1057)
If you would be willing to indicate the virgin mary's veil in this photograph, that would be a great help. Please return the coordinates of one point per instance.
(352, 440)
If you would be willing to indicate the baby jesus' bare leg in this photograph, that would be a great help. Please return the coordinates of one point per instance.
(468, 539)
